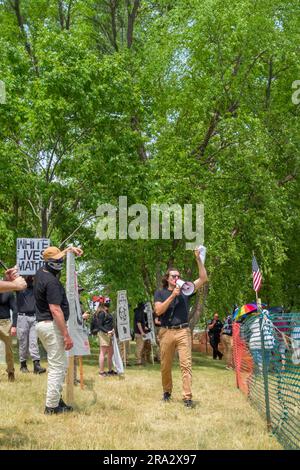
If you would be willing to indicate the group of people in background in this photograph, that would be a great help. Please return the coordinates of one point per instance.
(40, 310)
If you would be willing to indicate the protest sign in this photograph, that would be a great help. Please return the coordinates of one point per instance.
(123, 319)
(30, 254)
(76, 327)
(148, 310)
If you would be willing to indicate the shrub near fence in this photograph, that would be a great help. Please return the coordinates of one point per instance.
(267, 363)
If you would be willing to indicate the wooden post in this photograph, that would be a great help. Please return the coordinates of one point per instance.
(70, 381)
(81, 372)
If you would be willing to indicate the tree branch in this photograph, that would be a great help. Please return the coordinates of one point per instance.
(132, 14)
(16, 5)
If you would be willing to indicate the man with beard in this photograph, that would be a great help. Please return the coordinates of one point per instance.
(172, 308)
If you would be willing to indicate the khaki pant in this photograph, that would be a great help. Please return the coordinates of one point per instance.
(139, 348)
(5, 326)
(157, 348)
(146, 353)
(53, 342)
(227, 343)
(170, 340)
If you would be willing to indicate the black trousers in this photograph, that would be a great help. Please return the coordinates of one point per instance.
(214, 341)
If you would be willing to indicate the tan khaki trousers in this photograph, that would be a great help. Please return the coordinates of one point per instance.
(5, 326)
(170, 340)
(227, 343)
(146, 353)
(139, 348)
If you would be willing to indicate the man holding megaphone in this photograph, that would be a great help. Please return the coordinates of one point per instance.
(172, 307)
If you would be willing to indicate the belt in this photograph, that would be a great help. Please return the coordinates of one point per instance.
(177, 327)
(46, 321)
(27, 314)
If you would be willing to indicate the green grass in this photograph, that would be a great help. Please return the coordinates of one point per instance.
(128, 414)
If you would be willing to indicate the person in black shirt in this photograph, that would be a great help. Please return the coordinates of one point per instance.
(141, 329)
(52, 313)
(172, 307)
(8, 329)
(104, 323)
(214, 333)
(26, 331)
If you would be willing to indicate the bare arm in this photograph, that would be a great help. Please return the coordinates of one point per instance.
(202, 279)
(58, 316)
(16, 285)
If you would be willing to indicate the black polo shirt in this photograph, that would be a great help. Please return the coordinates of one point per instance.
(139, 317)
(179, 306)
(26, 301)
(49, 290)
(216, 330)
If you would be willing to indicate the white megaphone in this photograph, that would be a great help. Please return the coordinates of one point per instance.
(186, 287)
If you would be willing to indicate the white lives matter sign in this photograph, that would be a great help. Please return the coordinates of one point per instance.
(123, 320)
(76, 327)
(148, 310)
(30, 254)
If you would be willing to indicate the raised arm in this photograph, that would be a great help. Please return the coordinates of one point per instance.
(202, 279)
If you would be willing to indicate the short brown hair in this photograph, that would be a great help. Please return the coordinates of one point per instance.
(165, 278)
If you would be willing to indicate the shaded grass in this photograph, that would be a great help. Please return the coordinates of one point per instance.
(128, 414)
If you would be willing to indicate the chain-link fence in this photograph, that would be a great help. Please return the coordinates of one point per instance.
(267, 363)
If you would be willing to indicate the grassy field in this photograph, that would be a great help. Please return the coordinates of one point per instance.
(128, 414)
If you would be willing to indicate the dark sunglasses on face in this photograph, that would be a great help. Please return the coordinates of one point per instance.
(175, 275)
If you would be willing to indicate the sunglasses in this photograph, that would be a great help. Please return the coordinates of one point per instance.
(175, 275)
(60, 260)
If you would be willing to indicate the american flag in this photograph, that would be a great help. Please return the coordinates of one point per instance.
(257, 277)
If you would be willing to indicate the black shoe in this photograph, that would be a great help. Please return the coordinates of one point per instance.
(23, 367)
(53, 411)
(166, 396)
(37, 369)
(64, 406)
(111, 372)
(188, 403)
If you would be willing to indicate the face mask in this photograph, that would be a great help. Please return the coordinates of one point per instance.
(57, 265)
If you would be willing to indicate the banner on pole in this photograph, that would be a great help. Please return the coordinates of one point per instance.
(117, 360)
(148, 310)
(123, 319)
(76, 327)
(30, 254)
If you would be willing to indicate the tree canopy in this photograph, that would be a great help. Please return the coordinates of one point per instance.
(186, 102)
